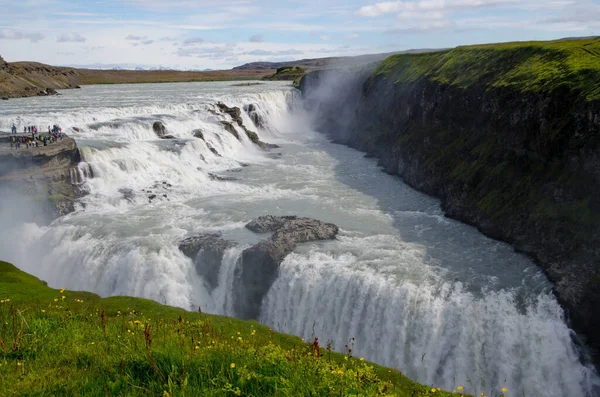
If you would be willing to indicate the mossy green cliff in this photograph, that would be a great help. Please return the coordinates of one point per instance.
(507, 135)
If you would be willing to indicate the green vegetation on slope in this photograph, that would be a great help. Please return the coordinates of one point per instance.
(293, 73)
(74, 343)
(569, 66)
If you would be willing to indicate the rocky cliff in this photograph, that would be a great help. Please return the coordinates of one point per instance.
(508, 136)
(50, 175)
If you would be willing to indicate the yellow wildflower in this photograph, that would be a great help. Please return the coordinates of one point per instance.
(482, 394)
(43, 311)
(128, 330)
(433, 390)
(55, 299)
(438, 389)
(19, 364)
(2, 301)
(239, 338)
(362, 359)
(197, 347)
(93, 343)
(62, 290)
(63, 297)
(7, 300)
(504, 390)
(345, 357)
(232, 365)
(460, 388)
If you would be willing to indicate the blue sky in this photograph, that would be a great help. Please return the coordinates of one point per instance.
(220, 34)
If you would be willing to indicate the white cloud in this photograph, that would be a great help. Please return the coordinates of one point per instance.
(325, 38)
(436, 25)
(9, 34)
(353, 36)
(379, 9)
(257, 38)
(193, 40)
(71, 38)
(136, 38)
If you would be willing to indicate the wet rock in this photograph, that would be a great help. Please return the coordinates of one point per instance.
(128, 194)
(51, 91)
(212, 149)
(167, 137)
(234, 112)
(76, 129)
(152, 197)
(269, 223)
(77, 87)
(215, 177)
(252, 111)
(231, 129)
(5, 98)
(206, 250)
(253, 136)
(198, 134)
(260, 264)
(159, 128)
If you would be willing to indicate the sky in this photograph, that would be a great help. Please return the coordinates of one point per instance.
(220, 34)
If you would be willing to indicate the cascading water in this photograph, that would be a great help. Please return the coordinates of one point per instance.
(418, 292)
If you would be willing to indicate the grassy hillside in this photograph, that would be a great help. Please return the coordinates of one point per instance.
(566, 66)
(58, 342)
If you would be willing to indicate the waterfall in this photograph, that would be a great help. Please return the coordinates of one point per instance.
(418, 292)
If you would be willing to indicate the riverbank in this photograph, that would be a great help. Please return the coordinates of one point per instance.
(508, 136)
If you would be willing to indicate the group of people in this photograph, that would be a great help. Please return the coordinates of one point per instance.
(54, 134)
(34, 130)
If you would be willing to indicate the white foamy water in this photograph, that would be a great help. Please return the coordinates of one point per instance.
(419, 292)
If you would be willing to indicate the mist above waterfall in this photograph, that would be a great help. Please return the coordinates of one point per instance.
(418, 292)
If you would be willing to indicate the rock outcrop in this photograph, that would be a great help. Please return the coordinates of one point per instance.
(49, 174)
(259, 264)
(521, 162)
(206, 250)
(236, 114)
(231, 129)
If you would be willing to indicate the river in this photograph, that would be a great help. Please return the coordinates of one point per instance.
(419, 292)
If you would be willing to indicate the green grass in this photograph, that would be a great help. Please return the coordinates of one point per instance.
(70, 343)
(571, 66)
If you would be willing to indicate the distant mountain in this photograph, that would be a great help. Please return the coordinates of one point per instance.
(139, 68)
(318, 63)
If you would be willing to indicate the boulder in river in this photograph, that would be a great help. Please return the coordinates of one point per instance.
(260, 263)
(252, 111)
(198, 134)
(167, 137)
(206, 250)
(159, 128)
